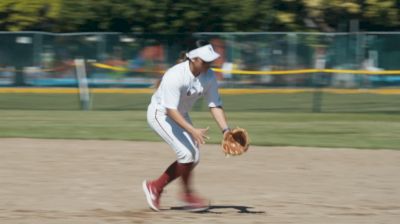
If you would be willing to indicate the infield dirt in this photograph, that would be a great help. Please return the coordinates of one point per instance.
(91, 181)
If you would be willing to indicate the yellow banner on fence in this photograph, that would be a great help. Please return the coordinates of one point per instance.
(250, 72)
(237, 71)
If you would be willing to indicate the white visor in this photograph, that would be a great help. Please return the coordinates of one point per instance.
(205, 53)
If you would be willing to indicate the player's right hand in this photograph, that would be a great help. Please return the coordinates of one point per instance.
(200, 135)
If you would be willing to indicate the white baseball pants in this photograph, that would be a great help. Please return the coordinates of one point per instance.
(179, 139)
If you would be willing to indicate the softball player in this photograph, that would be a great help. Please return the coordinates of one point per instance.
(168, 116)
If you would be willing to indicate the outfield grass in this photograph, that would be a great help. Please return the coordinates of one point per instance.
(375, 131)
(299, 102)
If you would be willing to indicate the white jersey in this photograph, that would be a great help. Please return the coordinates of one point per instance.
(180, 89)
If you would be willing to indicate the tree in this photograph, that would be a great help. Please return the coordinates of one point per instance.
(172, 16)
(29, 15)
(381, 14)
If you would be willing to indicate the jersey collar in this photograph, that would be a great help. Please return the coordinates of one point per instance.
(188, 69)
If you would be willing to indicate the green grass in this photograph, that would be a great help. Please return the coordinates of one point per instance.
(337, 103)
(353, 130)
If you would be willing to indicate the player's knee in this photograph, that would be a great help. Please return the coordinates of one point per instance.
(196, 158)
(186, 157)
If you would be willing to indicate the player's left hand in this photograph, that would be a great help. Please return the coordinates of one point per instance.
(235, 142)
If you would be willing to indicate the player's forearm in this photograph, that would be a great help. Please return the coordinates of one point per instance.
(180, 120)
(219, 116)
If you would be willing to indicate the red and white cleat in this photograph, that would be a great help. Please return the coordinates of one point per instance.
(152, 195)
(194, 203)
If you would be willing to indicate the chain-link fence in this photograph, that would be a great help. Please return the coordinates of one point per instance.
(38, 59)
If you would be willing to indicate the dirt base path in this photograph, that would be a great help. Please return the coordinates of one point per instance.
(80, 181)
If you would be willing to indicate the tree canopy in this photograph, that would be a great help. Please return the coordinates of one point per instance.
(172, 16)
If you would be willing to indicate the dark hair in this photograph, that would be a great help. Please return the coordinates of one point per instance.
(192, 46)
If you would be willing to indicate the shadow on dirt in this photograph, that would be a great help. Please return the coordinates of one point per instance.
(222, 209)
